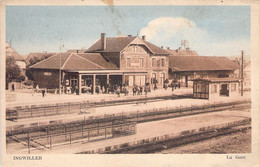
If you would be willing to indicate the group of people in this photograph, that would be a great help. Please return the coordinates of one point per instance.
(138, 90)
(173, 85)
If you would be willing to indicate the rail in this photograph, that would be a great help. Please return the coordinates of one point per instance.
(107, 120)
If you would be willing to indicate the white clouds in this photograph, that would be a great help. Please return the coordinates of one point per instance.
(169, 31)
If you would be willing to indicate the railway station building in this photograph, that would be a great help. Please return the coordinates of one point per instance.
(185, 69)
(128, 60)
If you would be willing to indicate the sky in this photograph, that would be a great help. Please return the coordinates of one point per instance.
(210, 30)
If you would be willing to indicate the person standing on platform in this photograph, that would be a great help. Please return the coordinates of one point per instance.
(12, 87)
(43, 92)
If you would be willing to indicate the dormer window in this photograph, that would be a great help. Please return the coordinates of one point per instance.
(135, 49)
(128, 62)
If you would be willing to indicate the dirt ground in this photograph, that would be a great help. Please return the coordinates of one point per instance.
(234, 143)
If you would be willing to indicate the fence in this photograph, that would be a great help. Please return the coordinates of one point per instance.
(108, 120)
(155, 139)
(22, 112)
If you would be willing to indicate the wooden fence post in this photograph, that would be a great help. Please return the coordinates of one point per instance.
(70, 138)
(82, 128)
(105, 132)
(28, 137)
(88, 136)
(50, 142)
(65, 132)
(57, 107)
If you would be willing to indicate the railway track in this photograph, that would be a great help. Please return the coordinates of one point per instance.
(110, 120)
(180, 141)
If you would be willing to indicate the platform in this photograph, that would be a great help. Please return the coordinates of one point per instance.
(145, 131)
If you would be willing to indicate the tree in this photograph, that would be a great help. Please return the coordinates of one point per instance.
(32, 61)
(13, 72)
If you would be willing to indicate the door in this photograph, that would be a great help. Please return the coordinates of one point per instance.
(143, 80)
(131, 80)
(224, 90)
(137, 80)
(162, 78)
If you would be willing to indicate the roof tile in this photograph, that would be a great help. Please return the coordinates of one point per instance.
(201, 63)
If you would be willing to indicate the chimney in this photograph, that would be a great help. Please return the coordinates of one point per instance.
(143, 37)
(162, 47)
(103, 41)
(184, 44)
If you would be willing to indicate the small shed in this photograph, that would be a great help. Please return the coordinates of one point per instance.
(215, 87)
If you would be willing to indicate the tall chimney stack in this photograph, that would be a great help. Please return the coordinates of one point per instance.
(184, 44)
(143, 37)
(103, 41)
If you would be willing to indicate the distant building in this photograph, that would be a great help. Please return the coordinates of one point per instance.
(184, 50)
(83, 50)
(247, 75)
(246, 71)
(20, 62)
(10, 52)
(37, 56)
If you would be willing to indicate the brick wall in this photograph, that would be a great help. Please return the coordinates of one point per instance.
(46, 78)
(136, 52)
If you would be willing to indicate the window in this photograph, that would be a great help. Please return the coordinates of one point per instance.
(134, 48)
(153, 78)
(158, 63)
(214, 89)
(141, 61)
(153, 62)
(162, 78)
(163, 62)
(233, 87)
(47, 73)
(128, 62)
(153, 75)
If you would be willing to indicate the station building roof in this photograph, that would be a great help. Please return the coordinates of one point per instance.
(214, 80)
(118, 44)
(76, 61)
(201, 63)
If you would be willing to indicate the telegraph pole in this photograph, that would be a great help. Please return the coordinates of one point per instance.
(242, 71)
(60, 73)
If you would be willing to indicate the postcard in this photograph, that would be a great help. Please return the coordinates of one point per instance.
(130, 83)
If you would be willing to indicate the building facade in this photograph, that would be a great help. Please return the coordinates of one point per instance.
(112, 62)
(184, 69)
(140, 61)
(214, 88)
